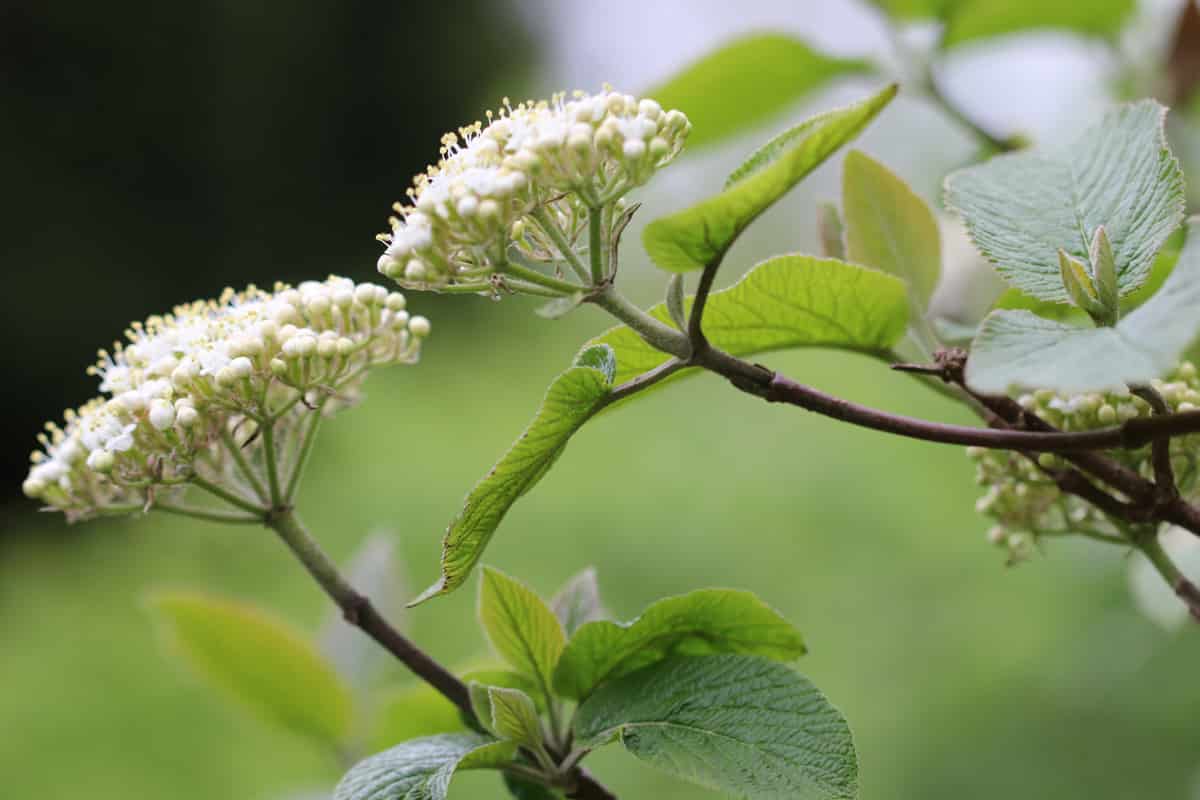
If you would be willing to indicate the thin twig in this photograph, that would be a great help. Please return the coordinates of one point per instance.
(1160, 449)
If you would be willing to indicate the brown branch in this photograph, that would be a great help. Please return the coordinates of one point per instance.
(360, 612)
(1027, 432)
(1164, 473)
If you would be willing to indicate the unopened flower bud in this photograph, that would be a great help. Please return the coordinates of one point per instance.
(161, 414)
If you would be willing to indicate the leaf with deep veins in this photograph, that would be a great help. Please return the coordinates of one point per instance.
(745, 725)
(1022, 208)
(1019, 350)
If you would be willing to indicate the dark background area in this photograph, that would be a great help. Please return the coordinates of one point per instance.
(152, 156)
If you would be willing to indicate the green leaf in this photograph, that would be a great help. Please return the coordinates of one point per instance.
(785, 302)
(970, 20)
(422, 769)
(1023, 207)
(704, 621)
(570, 401)
(514, 716)
(691, 238)
(410, 712)
(578, 601)
(889, 227)
(259, 660)
(1017, 349)
(509, 680)
(747, 82)
(520, 626)
(740, 724)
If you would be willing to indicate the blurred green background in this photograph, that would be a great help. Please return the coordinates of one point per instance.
(153, 155)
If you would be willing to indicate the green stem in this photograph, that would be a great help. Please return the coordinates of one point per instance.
(306, 445)
(657, 334)
(268, 434)
(596, 245)
(227, 496)
(211, 515)
(535, 277)
(243, 466)
(542, 217)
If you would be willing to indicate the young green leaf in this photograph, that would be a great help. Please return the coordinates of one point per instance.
(691, 238)
(509, 680)
(746, 82)
(570, 401)
(785, 302)
(741, 724)
(520, 626)
(972, 20)
(1079, 285)
(410, 712)
(578, 601)
(514, 717)
(1022, 208)
(704, 621)
(889, 227)
(260, 660)
(1017, 349)
(422, 769)
(1104, 266)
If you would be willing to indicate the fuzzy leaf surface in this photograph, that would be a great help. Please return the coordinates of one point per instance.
(1020, 350)
(700, 622)
(421, 769)
(1021, 208)
(520, 626)
(691, 238)
(573, 397)
(744, 725)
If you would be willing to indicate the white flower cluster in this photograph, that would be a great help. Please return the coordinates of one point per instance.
(1024, 500)
(188, 395)
(566, 158)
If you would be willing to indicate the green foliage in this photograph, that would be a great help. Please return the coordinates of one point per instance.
(889, 227)
(746, 725)
(527, 790)
(785, 302)
(573, 397)
(578, 601)
(520, 626)
(411, 712)
(691, 238)
(1017, 349)
(508, 713)
(972, 20)
(259, 660)
(704, 621)
(421, 769)
(746, 82)
(1021, 209)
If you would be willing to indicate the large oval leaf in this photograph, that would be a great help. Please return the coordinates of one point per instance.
(1017, 349)
(748, 726)
(259, 660)
(784, 302)
(1022, 208)
(691, 238)
(705, 621)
